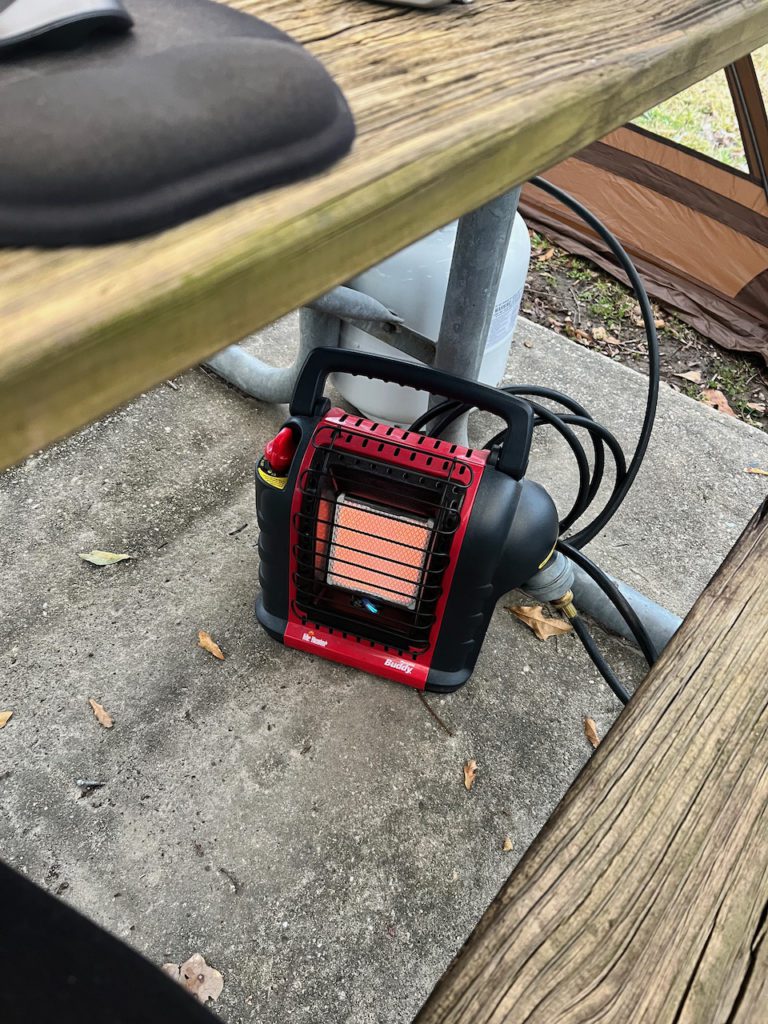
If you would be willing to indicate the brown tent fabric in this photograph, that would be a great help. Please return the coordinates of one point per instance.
(696, 228)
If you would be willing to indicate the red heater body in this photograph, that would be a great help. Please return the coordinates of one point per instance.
(387, 549)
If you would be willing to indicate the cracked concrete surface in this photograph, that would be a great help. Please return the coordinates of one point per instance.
(304, 826)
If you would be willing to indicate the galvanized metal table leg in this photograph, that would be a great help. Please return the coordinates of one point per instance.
(319, 326)
(481, 245)
(258, 379)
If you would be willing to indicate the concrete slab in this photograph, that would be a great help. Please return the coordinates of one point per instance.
(303, 826)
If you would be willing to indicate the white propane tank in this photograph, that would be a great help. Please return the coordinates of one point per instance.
(413, 283)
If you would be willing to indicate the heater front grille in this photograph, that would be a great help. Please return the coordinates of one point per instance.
(373, 530)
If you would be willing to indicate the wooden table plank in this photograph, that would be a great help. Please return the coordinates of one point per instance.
(453, 108)
(645, 897)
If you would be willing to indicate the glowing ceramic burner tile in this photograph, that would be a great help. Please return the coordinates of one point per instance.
(378, 551)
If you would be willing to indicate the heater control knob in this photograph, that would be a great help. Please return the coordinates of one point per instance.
(279, 452)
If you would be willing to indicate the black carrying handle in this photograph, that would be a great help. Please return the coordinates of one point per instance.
(308, 394)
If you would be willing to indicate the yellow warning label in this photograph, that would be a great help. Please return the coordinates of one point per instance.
(542, 564)
(274, 481)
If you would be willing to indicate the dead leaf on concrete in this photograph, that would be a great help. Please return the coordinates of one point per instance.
(470, 773)
(197, 977)
(694, 376)
(590, 731)
(5, 717)
(716, 399)
(507, 845)
(533, 616)
(103, 557)
(103, 717)
(756, 471)
(206, 641)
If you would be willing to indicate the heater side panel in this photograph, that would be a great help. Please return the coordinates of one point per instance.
(273, 512)
(512, 528)
(472, 597)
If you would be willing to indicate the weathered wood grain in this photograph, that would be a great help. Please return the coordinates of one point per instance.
(645, 897)
(453, 108)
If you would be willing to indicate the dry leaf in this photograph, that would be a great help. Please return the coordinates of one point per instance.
(599, 333)
(206, 641)
(715, 398)
(197, 977)
(694, 376)
(5, 717)
(103, 557)
(507, 845)
(470, 772)
(103, 717)
(759, 407)
(545, 256)
(756, 471)
(590, 731)
(658, 324)
(533, 616)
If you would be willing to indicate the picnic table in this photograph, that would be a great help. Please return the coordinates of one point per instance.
(454, 107)
(646, 894)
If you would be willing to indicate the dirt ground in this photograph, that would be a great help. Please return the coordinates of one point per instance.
(570, 296)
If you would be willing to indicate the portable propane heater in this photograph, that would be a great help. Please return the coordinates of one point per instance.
(386, 549)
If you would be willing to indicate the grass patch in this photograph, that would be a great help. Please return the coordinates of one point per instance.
(578, 270)
(730, 378)
(608, 302)
(736, 381)
(703, 117)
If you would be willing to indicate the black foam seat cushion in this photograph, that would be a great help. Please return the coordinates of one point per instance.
(126, 134)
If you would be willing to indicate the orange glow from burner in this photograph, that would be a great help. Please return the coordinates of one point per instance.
(378, 551)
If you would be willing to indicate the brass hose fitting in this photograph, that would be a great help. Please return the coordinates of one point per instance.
(565, 604)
